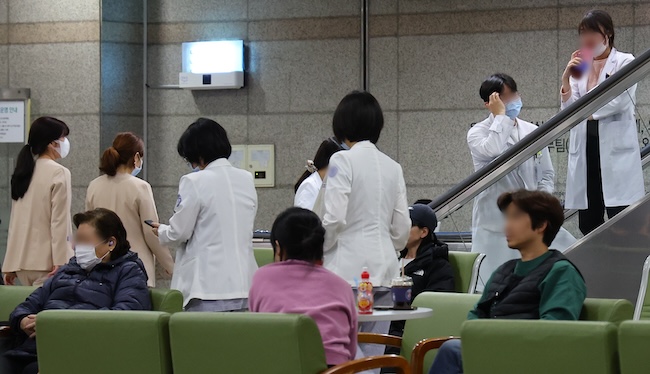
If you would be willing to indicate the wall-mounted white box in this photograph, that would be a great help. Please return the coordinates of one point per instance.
(212, 65)
(259, 160)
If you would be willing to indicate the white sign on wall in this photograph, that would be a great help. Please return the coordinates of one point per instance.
(12, 121)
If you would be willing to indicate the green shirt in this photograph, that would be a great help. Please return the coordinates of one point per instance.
(563, 290)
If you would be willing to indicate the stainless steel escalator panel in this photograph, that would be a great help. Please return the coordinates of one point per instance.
(611, 257)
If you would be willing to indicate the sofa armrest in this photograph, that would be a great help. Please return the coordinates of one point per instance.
(368, 363)
(421, 349)
(383, 339)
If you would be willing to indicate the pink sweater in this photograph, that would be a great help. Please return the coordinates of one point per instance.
(298, 287)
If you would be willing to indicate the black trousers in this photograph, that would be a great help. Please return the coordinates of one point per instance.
(10, 365)
(593, 216)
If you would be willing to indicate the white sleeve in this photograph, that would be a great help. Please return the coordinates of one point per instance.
(545, 172)
(575, 94)
(400, 226)
(181, 225)
(306, 195)
(487, 148)
(337, 193)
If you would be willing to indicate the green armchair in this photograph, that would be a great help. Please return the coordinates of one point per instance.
(633, 346)
(539, 347)
(449, 312)
(103, 342)
(263, 256)
(10, 297)
(423, 337)
(466, 267)
(257, 343)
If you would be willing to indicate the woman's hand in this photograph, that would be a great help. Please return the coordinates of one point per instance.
(10, 279)
(54, 270)
(28, 325)
(574, 62)
(155, 226)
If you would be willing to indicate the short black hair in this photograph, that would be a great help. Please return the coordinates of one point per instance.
(106, 223)
(495, 83)
(540, 206)
(600, 22)
(204, 140)
(300, 233)
(358, 117)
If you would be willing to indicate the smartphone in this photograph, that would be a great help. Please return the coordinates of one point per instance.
(149, 222)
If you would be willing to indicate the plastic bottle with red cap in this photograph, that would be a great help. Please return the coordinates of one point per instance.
(365, 299)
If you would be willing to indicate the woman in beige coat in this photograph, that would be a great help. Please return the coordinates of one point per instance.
(131, 198)
(40, 227)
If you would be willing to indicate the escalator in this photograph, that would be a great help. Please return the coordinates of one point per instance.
(611, 257)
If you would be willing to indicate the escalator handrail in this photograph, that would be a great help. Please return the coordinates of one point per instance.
(526, 148)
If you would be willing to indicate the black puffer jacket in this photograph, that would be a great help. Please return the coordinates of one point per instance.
(430, 269)
(120, 284)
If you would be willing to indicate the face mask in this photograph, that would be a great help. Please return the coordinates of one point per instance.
(513, 108)
(600, 48)
(194, 169)
(86, 256)
(137, 169)
(64, 147)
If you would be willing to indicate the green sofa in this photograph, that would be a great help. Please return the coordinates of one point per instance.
(539, 347)
(163, 300)
(633, 347)
(103, 342)
(256, 343)
(423, 337)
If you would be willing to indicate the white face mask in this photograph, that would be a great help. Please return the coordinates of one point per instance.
(86, 256)
(138, 169)
(600, 48)
(64, 147)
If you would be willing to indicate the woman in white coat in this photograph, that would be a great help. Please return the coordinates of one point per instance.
(309, 185)
(604, 171)
(487, 140)
(366, 212)
(212, 225)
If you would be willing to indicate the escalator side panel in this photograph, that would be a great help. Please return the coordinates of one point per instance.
(611, 257)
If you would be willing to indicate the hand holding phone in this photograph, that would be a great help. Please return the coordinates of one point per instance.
(149, 223)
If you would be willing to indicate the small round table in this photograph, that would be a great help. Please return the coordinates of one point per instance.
(395, 315)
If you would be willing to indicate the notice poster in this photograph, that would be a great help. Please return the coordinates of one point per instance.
(12, 121)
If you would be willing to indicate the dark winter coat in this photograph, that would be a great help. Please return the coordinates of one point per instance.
(430, 270)
(120, 284)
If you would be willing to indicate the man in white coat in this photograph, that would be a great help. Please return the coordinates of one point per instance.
(604, 171)
(487, 140)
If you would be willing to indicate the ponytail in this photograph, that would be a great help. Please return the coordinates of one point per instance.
(302, 178)
(44, 130)
(110, 161)
(321, 160)
(23, 173)
(122, 152)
